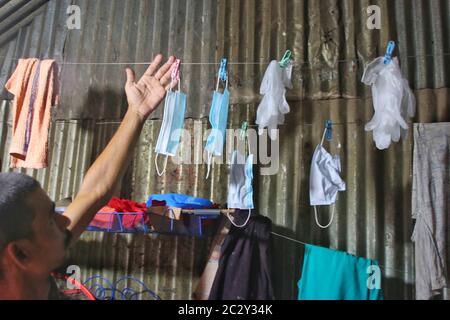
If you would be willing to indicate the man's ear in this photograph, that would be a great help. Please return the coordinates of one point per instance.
(18, 252)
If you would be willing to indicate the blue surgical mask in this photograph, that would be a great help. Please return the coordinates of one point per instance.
(248, 199)
(172, 125)
(240, 189)
(218, 117)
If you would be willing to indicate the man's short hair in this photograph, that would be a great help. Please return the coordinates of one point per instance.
(16, 216)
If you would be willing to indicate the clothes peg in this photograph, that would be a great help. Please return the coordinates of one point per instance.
(329, 127)
(286, 59)
(223, 69)
(244, 128)
(389, 50)
(176, 70)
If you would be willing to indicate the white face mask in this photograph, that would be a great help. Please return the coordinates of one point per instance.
(324, 181)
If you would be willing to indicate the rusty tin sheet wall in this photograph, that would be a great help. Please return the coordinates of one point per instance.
(32, 29)
(372, 216)
(15, 14)
(329, 40)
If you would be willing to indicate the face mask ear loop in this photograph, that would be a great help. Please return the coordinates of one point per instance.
(331, 221)
(170, 86)
(323, 137)
(248, 143)
(246, 221)
(156, 165)
(218, 81)
(209, 165)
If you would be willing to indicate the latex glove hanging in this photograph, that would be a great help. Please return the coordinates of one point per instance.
(273, 105)
(393, 101)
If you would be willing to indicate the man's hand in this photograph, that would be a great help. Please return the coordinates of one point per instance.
(146, 94)
(105, 173)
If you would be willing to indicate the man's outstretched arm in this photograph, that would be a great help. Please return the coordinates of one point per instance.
(103, 176)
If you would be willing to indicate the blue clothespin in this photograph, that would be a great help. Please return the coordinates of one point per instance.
(223, 69)
(286, 59)
(329, 127)
(389, 50)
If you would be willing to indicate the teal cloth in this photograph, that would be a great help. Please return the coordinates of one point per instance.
(335, 275)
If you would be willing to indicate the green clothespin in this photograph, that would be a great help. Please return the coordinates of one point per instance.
(244, 128)
(286, 59)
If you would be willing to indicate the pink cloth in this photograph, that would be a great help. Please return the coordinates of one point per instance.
(35, 87)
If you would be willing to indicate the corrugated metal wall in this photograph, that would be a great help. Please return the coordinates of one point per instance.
(15, 14)
(323, 36)
(372, 216)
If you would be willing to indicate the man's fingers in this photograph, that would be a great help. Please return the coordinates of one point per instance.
(167, 78)
(130, 76)
(167, 67)
(154, 65)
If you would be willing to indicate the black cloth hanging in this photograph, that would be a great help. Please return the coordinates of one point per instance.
(244, 271)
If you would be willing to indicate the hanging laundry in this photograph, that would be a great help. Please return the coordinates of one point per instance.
(35, 87)
(393, 101)
(273, 105)
(334, 275)
(173, 121)
(218, 117)
(431, 208)
(324, 180)
(206, 281)
(180, 201)
(244, 271)
(240, 190)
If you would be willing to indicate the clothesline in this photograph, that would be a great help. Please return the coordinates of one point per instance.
(229, 63)
(304, 243)
(250, 125)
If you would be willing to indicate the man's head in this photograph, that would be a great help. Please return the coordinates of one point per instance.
(33, 237)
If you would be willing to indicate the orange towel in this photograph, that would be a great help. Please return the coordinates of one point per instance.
(34, 85)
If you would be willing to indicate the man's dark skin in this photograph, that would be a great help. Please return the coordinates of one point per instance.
(27, 263)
